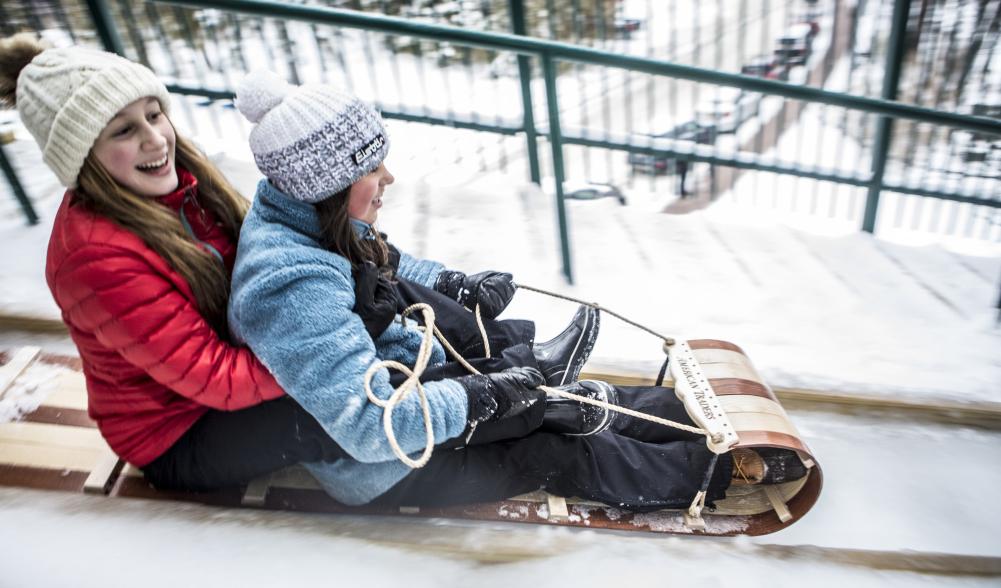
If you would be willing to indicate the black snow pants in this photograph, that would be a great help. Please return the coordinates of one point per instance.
(232, 448)
(635, 464)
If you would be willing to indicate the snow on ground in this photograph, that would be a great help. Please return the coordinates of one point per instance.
(158, 544)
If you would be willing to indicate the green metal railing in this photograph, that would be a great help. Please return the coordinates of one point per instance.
(550, 52)
(551, 55)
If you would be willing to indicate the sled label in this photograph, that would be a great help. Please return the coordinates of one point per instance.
(693, 388)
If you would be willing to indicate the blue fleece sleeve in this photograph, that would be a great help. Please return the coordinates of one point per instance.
(422, 271)
(294, 311)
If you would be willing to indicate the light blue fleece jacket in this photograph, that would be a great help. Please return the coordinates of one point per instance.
(291, 303)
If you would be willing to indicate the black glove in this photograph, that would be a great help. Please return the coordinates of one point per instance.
(375, 299)
(504, 394)
(491, 290)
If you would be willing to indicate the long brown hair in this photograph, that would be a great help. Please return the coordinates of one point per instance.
(339, 236)
(160, 228)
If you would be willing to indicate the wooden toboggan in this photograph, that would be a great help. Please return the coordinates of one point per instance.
(57, 447)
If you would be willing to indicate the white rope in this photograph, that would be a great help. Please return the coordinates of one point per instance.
(430, 329)
(404, 389)
(483, 333)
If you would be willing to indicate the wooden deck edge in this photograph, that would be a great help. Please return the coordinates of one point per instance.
(985, 415)
(32, 324)
(922, 562)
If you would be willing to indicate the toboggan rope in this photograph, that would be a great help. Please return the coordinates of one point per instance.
(430, 330)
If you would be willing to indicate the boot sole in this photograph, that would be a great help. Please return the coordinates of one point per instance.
(611, 398)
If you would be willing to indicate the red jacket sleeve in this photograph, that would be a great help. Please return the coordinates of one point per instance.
(135, 310)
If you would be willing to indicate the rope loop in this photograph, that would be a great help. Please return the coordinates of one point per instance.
(430, 331)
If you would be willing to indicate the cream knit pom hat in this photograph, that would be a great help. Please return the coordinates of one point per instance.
(67, 96)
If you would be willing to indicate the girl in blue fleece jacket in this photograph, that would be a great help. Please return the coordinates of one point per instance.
(316, 293)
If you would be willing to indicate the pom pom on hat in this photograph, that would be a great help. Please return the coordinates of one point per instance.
(16, 53)
(259, 92)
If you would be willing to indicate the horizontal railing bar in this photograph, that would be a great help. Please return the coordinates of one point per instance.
(203, 92)
(919, 191)
(456, 121)
(752, 161)
(748, 160)
(580, 54)
(453, 120)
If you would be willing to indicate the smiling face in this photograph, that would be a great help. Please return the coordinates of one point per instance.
(365, 195)
(137, 149)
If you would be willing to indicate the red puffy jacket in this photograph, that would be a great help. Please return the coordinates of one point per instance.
(153, 365)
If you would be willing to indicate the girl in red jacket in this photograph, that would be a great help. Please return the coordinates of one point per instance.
(139, 262)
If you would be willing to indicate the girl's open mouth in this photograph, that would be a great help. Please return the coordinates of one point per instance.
(155, 168)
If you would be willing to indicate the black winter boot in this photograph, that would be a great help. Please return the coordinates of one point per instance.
(570, 417)
(562, 357)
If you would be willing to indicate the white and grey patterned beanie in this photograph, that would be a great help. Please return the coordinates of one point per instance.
(66, 97)
(311, 141)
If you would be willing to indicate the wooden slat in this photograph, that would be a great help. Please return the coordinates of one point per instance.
(751, 404)
(706, 356)
(730, 370)
(295, 477)
(751, 499)
(44, 434)
(557, 507)
(777, 502)
(41, 478)
(131, 471)
(733, 386)
(748, 421)
(70, 391)
(256, 493)
(713, 344)
(16, 365)
(79, 459)
(55, 415)
(103, 473)
(772, 439)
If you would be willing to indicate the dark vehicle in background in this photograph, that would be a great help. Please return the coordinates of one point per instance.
(974, 146)
(627, 25)
(793, 48)
(765, 66)
(727, 108)
(662, 164)
(592, 191)
(988, 109)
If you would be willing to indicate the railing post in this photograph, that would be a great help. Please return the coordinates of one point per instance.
(104, 24)
(556, 141)
(517, 9)
(17, 188)
(884, 129)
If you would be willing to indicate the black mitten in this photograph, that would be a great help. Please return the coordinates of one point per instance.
(493, 291)
(375, 299)
(501, 395)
